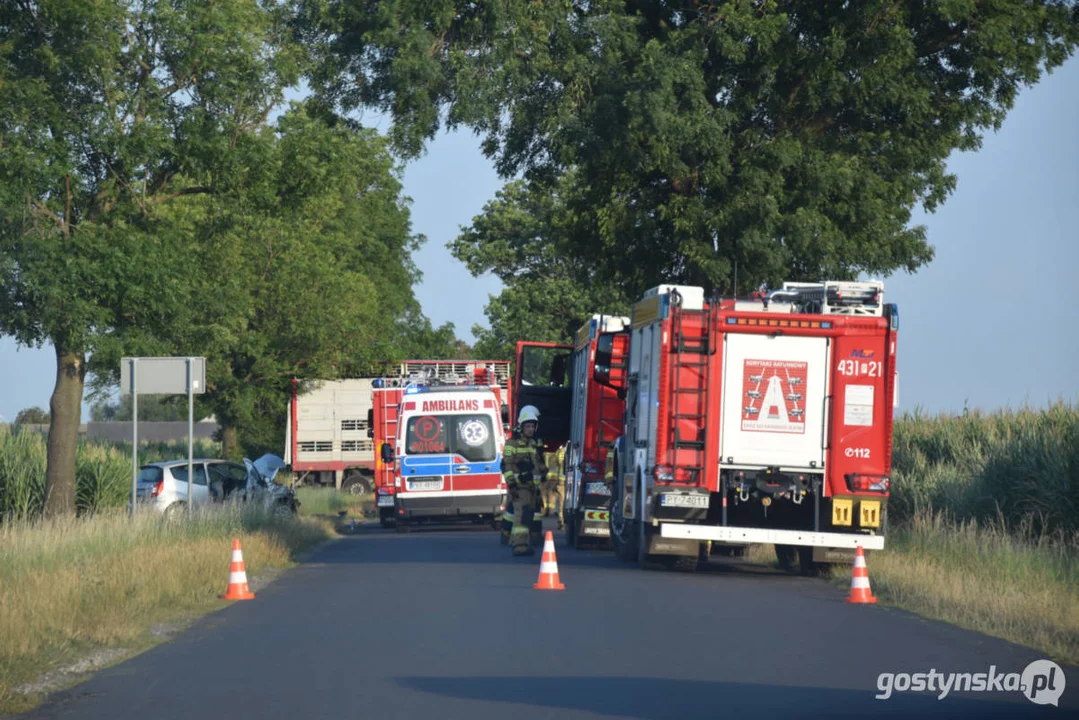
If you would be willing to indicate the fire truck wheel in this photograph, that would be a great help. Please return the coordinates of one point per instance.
(806, 566)
(644, 560)
(785, 555)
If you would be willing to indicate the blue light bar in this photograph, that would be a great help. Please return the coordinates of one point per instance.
(414, 389)
(378, 383)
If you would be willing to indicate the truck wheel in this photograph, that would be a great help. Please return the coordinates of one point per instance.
(684, 563)
(785, 556)
(806, 566)
(357, 485)
(644, 560)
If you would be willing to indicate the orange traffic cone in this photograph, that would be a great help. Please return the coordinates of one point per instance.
(859, 580)
(548, 575)
(237, 589)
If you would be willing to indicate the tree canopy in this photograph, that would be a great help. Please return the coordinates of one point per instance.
(789, 139)
(147, 207)
(523, 237)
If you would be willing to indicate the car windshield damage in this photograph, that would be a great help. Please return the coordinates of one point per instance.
(470, 436)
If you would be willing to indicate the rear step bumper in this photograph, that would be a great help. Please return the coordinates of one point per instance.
(768, 535)
(421, 505)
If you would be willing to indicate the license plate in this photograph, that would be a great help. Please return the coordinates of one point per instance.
(691, 501)
(595, 530)
(424, 484)
(385, 500)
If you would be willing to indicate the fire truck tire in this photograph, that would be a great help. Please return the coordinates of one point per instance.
(644, 560)
(785, 554)
(806, 566)
(684, 563)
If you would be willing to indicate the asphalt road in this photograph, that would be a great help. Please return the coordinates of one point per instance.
(445, 624)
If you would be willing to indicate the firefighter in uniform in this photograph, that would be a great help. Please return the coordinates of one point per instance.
(524, 470)
(552, 486)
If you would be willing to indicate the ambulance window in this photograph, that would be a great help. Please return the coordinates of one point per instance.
(470, 436)
(475, 438)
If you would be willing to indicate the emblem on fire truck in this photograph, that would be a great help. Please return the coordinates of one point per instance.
(775, 394)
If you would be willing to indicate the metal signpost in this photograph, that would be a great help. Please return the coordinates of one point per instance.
(162, 376)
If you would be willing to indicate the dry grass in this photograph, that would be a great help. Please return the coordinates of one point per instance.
(77, 587)
(1007, 584)
(327, 501)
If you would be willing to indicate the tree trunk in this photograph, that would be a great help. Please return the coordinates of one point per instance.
(66, 416)
(230, 443)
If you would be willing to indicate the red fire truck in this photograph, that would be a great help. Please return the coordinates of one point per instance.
(595, 422)
(767, 420)
(439, 420)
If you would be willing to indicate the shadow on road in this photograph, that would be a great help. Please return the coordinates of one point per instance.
(649, 698)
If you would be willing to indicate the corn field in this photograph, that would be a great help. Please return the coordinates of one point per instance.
(102, 470)
(1018, 469)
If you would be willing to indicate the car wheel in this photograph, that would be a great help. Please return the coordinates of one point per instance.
(176, 511)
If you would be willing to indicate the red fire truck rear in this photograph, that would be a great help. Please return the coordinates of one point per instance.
(766, 420)
(440, 436)
(595, 423)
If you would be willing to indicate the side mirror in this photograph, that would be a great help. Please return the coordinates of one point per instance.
(387, 453)
(601, 368)
(505, 414)
(370, 422)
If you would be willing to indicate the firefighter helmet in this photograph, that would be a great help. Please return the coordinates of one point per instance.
(529, 413)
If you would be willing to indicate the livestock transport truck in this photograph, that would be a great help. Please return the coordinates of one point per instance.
(441, 436)
(329, 438)
(762, 420)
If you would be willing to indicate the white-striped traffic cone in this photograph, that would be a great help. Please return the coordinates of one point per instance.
(859, 580)
(237, 589)
(548, 575)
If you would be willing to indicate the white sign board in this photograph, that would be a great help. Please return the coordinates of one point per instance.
(163, 375)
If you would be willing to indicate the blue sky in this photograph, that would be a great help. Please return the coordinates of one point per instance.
(993, 321)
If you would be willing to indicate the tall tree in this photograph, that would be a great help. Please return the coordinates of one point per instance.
(110, 112)
(790, 139)
(524, 237)
(308, 270)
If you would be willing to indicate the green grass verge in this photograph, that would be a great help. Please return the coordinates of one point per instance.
(80, 586)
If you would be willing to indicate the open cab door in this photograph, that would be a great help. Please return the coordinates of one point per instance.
(541, 378)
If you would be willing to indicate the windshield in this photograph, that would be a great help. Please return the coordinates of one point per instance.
(470, 436)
